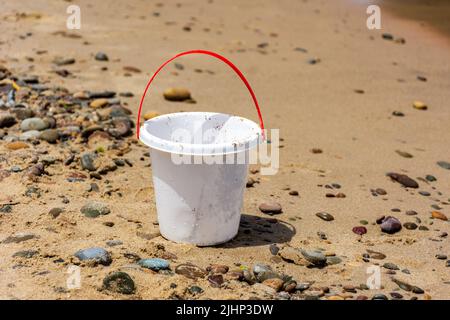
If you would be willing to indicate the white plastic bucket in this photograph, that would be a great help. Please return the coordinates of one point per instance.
(200, 202)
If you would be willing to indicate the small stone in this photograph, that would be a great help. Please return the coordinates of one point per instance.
(17, 145)
(424, 193)
(88, 161)
(215, 280)
(270, 208)
(151, 115)
(6, 120)
(274, 283)
(390, 266)
(99, 103)
(391, 225)
(19, 237)
(423, 228)
(441, 257)
(177, 94)
(398, 114)
(49, 135)
(379, 296)
(94, 209)
(325, 216)
(387, 36)
(292, 255)
(403, 285)
(30, 135)
(430, 178)
(250, 182)
(316, 151)
(195, 290)
(101, 56)
(376, 255)
(439, 215)
(217, 268)
(154, 264)
(403, 180)
(119, 282)
(411, 213)
(33, 124)
(410, 225)
(396, 295)
(113, 243)
(417, 290)
(55, 212)
(333, 260)
(27, 254)
(190, 271)
(381, 192)
(96, 254)
(447, 264)
(359, 230)
(444, 164)
(404, 154)
(317, 258)
(293, 193)
(419, 105)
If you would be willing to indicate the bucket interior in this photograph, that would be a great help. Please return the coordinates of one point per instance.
(200, 133)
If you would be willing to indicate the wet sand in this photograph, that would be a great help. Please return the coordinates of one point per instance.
(342, 105)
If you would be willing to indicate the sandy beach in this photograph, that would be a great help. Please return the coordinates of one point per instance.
(352, 105)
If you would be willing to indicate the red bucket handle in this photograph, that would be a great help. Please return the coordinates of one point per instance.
(215, 55)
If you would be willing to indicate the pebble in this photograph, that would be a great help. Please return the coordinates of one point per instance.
(260, 267)
(190, 271)
(49, 135)
(325, 216)
(444, 164)
(94, 209)
(17, 145)
(424, 193)
(439, 215)
(217, 268)
(195, 290)
(55, 212)
(379, 296)
(398, 114)
(88, 162)
(27, 254)
(215, 280)
(403, 180)
(177, 94)
(360, 230)
(6, 120)
(99, 103)
(390, 266)
(447, 264)
(396, 295)
(270, 208)
(387, 36)
(317, 258)
(33, 124)
(101, 56)
(441, 257)
(411, 213)
(419, 105)
(274, 283)
(381, 192)
(113, 243)
(119, 282)
(154, 264)
(430, 178)
(376, 255)
(293, 193)
(250, 182)
(151, 115)
(30, 135)
(333, 260)
(291, 255)
(391, 225)
(19, 237)
(404, 154)
(410, 225)
(96, 254)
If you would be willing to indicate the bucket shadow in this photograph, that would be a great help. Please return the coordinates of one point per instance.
(259, 231)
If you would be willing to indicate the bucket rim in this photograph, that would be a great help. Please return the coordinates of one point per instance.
(196, 149)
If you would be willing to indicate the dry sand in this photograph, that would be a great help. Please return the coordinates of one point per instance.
(314, 106)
